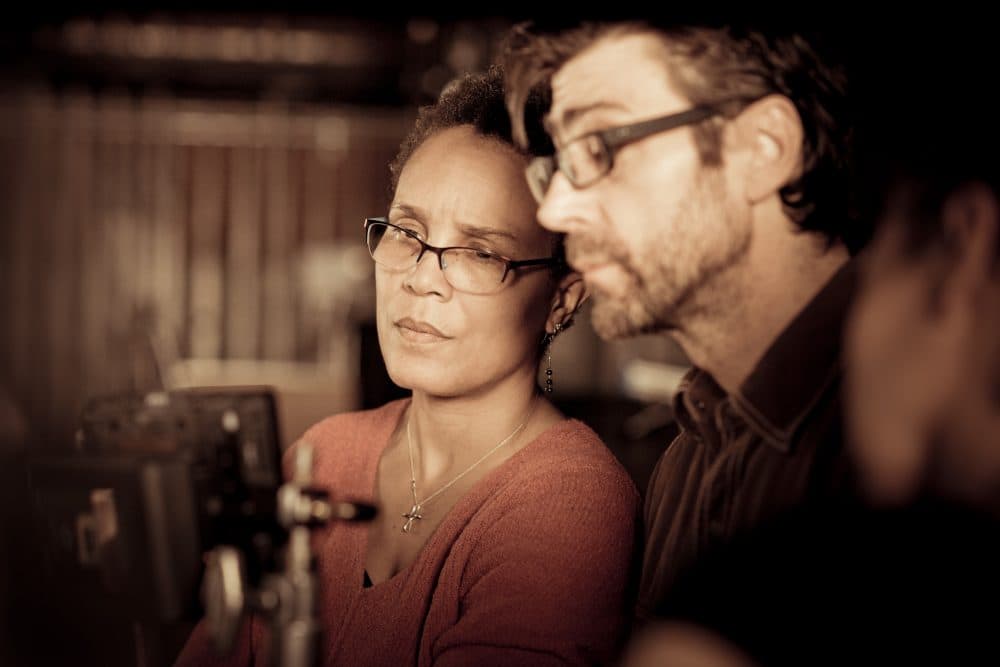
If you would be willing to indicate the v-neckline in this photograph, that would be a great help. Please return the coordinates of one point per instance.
(449, 516)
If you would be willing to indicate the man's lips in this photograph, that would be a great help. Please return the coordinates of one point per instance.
(589, 264)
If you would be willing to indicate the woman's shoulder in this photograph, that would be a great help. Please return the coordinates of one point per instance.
(574, 443)
(347, 441)
(565, 489)
(355, 425)
(571, 452)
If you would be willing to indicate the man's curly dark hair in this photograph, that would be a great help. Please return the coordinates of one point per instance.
(711, 64)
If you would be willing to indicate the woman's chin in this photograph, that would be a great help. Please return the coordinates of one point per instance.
(424, 380)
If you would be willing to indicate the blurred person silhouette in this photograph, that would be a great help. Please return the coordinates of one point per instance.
(923, 341)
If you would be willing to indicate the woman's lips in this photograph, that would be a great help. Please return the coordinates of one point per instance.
(419, 332)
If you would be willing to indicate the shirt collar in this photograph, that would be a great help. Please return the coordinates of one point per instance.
(800, 365)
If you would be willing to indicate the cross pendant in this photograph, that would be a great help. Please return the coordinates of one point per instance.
(410, 516)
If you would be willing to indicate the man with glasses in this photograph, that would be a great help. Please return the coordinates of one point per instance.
(699, 177)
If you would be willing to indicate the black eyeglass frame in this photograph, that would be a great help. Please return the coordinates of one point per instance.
(509, 264)
(614, 139)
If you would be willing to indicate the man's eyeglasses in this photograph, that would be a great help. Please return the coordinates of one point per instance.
(469, 270)
(586, 159)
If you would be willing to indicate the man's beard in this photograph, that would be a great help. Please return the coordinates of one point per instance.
(666, 282)
(635, 314)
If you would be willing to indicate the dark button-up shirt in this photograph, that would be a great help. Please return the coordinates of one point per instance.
(742, 458)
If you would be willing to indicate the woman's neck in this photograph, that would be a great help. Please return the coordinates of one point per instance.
(455, 431)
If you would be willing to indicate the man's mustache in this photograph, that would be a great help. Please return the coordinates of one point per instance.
(593, 251)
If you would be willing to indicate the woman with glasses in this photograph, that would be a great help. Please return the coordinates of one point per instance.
(505, 530)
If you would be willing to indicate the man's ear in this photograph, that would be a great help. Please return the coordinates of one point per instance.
(570, 295)
(773, 129)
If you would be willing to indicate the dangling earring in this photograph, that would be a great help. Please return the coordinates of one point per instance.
(548, 357)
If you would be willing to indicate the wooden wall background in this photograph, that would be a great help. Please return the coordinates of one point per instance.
(142, 228)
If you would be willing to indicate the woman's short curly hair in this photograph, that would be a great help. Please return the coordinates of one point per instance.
(478, 100)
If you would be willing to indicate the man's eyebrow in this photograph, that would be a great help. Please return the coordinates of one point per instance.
(573, 114)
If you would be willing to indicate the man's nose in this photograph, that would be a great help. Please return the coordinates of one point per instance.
(559, 210)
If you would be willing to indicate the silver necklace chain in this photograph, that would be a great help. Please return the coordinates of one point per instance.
(418, 505)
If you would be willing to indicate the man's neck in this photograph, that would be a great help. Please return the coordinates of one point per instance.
(737, 318)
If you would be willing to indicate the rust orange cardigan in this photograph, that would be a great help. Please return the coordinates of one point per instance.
(532, 566)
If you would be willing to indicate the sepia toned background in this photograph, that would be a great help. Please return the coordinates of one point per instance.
(184, 190)
(185, 195)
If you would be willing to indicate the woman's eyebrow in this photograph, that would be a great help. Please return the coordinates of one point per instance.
(479, 231)
(466, 229)
(409, 211)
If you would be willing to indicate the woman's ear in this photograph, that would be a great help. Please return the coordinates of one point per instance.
(569, 296)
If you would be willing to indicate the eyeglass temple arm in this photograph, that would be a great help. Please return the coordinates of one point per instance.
(533, 262)
(624, 134)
